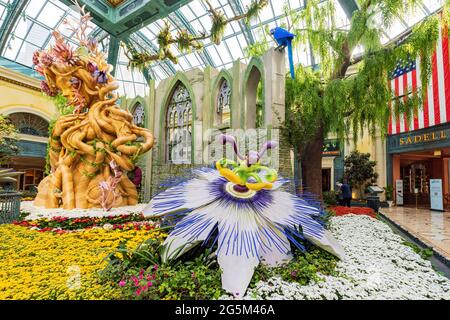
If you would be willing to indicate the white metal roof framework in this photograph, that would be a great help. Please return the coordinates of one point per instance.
(32, 31)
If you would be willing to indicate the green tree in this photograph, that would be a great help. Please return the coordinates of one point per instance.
(359, 170)
(8, 140)
(335, 99)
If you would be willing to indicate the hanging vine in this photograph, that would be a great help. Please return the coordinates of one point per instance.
(186, 41)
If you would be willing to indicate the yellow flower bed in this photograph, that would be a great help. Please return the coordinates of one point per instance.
(43, 265)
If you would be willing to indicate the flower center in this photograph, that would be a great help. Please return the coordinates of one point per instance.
(239, 191)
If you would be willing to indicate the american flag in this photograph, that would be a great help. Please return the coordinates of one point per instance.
(435, 107)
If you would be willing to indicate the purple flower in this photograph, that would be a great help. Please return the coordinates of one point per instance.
(36, 58)
(92, 68)
(74, 81)
(46, 59)
(122, 283)
(101, 77)
(92, 44)
(47, 90)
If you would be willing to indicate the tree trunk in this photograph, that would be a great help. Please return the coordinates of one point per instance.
(311, 163)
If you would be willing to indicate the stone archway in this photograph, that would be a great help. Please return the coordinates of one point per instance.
(253, 113)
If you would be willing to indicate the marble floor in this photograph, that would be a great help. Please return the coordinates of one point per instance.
(431, 227)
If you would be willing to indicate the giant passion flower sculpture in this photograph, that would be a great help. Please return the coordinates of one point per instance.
(242, 206)
(91, 148)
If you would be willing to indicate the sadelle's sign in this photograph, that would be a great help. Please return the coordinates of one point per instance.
(423, 137)
(436, 137)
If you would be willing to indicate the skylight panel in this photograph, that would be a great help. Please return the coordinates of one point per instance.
(187, 12)
(25, 55)
(50, 15)
(277, 8)
(433, 5)
(212, 51)
(266, 14)
(38, 35)
(396, 29)
(234, 47)
(216, 3)
(13, 48)
(148, 34)
(415, 17)
(197, 8)
(197, 26)
(227, 10)
(140, 89)
(206, 22)
(183, 63)
(129, 89)
(126, 73)
(22, 28)
(34, 8)
(223, 53)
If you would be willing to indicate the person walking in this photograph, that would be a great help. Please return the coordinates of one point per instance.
(346, 191)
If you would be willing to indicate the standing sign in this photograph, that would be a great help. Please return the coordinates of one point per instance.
(436, 198)
(399, 192)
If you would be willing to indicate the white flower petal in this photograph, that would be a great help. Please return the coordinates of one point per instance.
(328, 243)
(185, 196)
(276, 255)
(190, 231)
(237, 272)
(291, 211)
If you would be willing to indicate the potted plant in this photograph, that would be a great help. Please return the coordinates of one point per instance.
(389, 192)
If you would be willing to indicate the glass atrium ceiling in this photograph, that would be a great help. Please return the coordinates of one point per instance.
(36, 18)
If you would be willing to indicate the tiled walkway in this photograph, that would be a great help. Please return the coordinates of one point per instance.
(433, 228)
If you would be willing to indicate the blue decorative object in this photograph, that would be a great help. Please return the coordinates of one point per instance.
(284, 39)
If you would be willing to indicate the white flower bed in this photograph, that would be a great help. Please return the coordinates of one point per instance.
(377, 266)
(38, 212)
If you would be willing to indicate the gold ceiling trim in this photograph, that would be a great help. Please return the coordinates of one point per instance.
(115, 3)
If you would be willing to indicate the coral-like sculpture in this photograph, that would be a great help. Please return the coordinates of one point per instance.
(83, 144)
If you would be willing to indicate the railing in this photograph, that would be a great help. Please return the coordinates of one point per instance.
(9, 206)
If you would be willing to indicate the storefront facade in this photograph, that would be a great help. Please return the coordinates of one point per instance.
(332, 164)
(30, 112)
(416, 157)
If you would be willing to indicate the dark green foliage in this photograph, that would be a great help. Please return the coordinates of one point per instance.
(219, 23)
(196, 274)
(330, 198)
(360, 170)
(425, 253)
(304, 110)
(63, 109)
(302, 269)
(389, 192)
(8, 140)
(8, 149)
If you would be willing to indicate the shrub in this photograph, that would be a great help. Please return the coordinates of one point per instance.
(330, 198)
(360, 171)
(389, 192)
